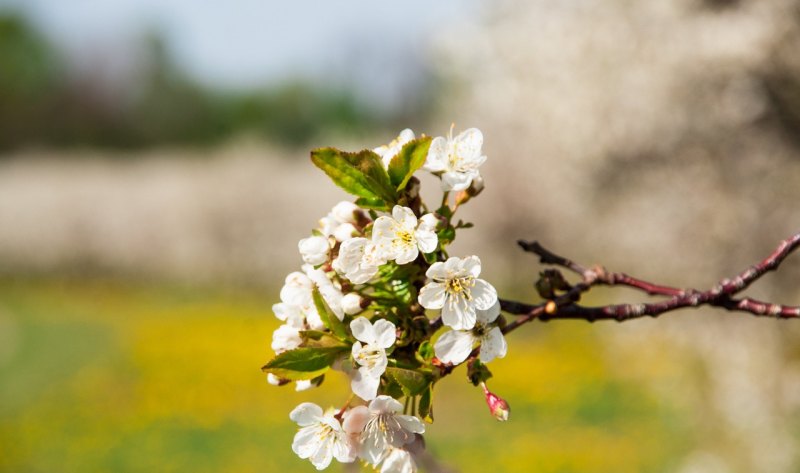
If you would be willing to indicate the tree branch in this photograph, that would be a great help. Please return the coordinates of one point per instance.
(565, 305)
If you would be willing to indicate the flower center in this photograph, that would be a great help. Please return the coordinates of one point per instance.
(479, 330)
(460, 287)
(369, 356)
(403, 237)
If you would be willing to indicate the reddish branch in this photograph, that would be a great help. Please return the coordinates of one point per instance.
(565, 305)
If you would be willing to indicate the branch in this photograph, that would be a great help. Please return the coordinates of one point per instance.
(565, 306)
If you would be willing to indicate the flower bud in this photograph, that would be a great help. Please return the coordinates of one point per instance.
(352, 303)
(314, 250)
(276, 381)
(498, 406)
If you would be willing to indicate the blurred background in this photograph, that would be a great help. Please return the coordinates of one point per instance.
(154, 181)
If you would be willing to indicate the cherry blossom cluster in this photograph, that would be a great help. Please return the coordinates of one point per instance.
(380, 300)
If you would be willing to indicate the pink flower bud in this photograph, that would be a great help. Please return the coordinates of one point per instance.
(498, 406)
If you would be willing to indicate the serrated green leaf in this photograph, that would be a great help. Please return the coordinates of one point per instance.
(412, 382)
(361, 174)
(329, 319)
(374, 204)
(405, 163)
(303, 363)
(425, 406)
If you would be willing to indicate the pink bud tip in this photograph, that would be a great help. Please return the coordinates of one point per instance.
(498, 406)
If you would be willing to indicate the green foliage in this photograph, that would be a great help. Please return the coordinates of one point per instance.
(303, 363)
(328, 317)
(412, 382)
(405, 163)
(477, 372)
(361, 174)
(425, 407)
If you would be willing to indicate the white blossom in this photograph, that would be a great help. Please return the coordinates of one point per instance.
(296, 303)
(314, 249)
(456, 158)
(456, 345)
(329, 292)
(398, 461)
(382, 429)
(456, 289)
(387, 152)
(286, 337)
(401, 237)
(351, 303)
(321, 437)
(371, 356)
(358, 260)
(340, 221)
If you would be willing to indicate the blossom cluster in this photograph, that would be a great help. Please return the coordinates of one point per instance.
(376, 285)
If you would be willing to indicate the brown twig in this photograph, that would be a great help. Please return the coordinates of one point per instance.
(721, 295)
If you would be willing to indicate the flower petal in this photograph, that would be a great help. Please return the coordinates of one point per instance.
(322, 457)
(458, 314)
(364, 385)
(437, 271)
(454, 346)
(355, 419)
(407, 255)
(484, 295)
(411, 424)
(432, 295)
(363, 330)
(493, 345)
(385, 333)
(404, 216)
(306, 413)
(456, 181)
(487, 316)
(426, 240)
(437, 155)
(472, 266)
(468, 144)
(385, 404)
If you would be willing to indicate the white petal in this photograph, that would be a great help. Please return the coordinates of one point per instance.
(472, 265)
(411, 424)
(384, 404)
(344, 212)
(426, 240)
(404, 216)
(303, 385)
(373, 447)
(321, 459)
(437, 155)
(382, 228)
(363, 330)
(314, 250)
(468, 144)
(489, 315)
(355, 419)
(408, 255)
(454, 346)
(456, 181)
(428, 222)
(493, 345)
(351, 303)
(432, 295)
(345, 232)
(405, 136)
(364, 385)
(306, 441)
(306, 413)
(453, 265)
(484, 294)
(459, 315)
(385, 333)
(398, 461)
(437, 271)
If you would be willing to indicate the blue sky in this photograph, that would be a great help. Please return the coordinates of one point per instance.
(246, 43)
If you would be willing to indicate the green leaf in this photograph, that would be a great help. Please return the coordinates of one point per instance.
(303, 363)
(375, 204)
(425, 407)
(477, 372)
(412, 382)
(446, 235)
(425, 353)
(405, 163)
(326, 314)
(361, 174)
(317, 338)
